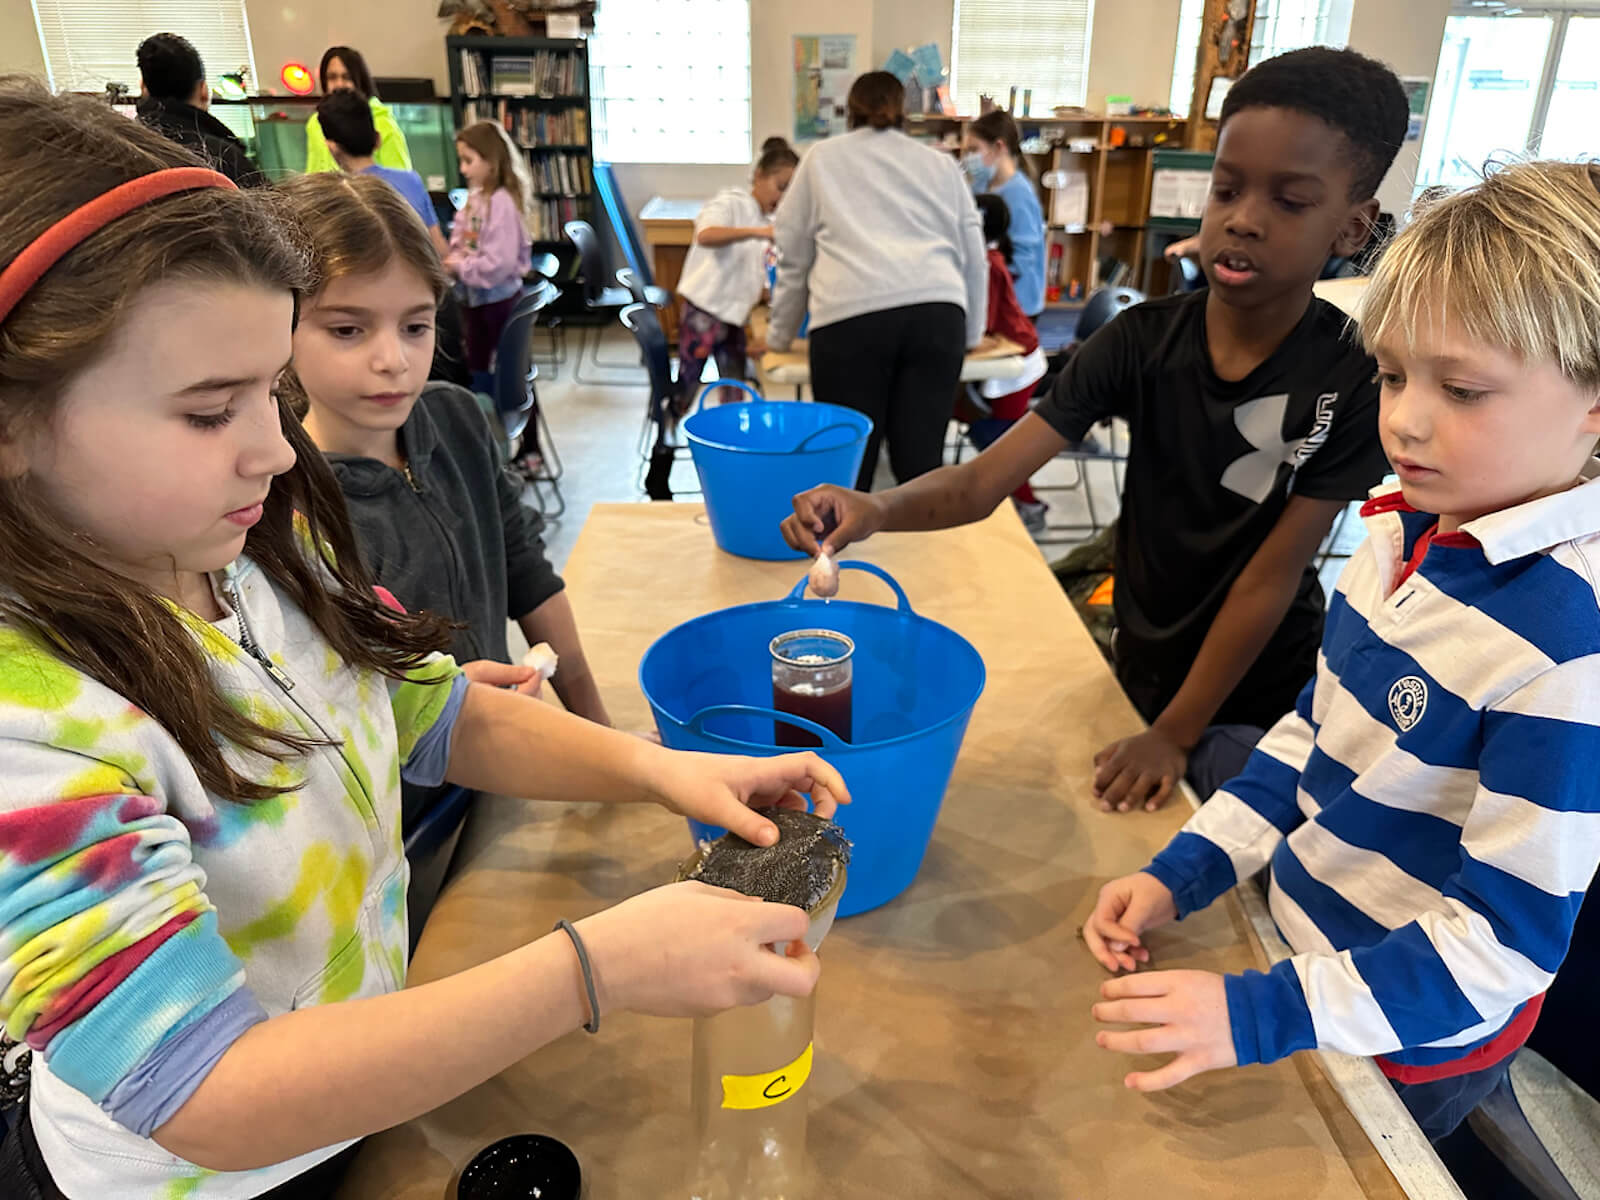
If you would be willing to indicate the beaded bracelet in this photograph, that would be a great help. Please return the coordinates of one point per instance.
(593, 1025)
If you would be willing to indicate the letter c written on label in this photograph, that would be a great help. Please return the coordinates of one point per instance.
(768, 1088)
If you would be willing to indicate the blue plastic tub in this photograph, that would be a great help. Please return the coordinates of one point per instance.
(752, 459)
(709, 684)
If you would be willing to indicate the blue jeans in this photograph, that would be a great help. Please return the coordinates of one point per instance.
(1441, 1104)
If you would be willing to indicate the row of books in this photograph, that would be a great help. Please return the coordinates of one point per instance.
(544, 128)
(546, 217)
(529, 127)
(543, 73)
(567, 174)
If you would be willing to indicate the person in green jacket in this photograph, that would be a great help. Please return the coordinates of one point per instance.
(343, 67)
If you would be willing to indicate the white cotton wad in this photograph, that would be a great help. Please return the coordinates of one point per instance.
(824, 576)
(542, 659)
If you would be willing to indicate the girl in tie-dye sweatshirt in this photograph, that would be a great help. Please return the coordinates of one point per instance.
(205, 714)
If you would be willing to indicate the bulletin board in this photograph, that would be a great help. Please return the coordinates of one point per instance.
(824, 67)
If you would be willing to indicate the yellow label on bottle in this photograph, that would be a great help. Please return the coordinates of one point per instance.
(769, 1088)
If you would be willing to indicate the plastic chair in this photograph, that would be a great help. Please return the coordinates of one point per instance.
(1105, 304)
(598, 301)
(658, 449)
(642, 293)
(517, 402)
(547, 268)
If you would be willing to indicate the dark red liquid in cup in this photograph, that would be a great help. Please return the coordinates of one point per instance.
(831, 710)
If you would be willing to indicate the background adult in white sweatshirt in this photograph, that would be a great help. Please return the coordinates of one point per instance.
(880, 236)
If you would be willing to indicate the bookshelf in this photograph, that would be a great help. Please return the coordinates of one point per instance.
(1102, 210)
(538, 90)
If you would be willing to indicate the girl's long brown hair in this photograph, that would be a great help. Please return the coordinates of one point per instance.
(60, 152)
(490, 141)
(355, 225)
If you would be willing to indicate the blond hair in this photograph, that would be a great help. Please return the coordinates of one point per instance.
(1513, 262)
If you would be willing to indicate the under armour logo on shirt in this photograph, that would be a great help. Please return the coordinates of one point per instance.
(1260, 421)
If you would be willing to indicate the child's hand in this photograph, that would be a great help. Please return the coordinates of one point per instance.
(1188, 1013)
(1138, 770)
(719, 789)
(525, 680)
(1126, 908)
(689, 950)
(838, 515)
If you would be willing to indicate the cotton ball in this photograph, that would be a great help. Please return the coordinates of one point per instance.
(825, 575)
(542, 659)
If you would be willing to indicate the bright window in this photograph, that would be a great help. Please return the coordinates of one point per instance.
(1022, 44)
(90, 43)
(670, 83)
(1281, 26)
(1284, 25)
(1191, 20)
(1522, 81)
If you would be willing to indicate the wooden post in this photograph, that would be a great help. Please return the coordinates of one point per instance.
(1224, 54)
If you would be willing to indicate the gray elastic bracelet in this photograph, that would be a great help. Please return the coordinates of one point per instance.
(565, 925)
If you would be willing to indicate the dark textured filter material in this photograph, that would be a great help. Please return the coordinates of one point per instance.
(797, 869)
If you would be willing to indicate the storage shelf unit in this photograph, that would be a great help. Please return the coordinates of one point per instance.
(552, 121)
(1104, 212)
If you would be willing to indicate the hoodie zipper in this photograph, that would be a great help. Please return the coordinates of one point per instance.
(456, 570)
(248, 643)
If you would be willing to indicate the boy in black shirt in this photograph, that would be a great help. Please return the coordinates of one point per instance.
(1253, 416)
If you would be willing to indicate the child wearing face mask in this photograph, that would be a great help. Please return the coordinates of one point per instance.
(725, 272)
(995, 164)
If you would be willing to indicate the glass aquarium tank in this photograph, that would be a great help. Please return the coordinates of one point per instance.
(273, 129)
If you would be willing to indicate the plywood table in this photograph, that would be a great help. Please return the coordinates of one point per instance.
(994, 358)
(669, 232)
(955, 1051)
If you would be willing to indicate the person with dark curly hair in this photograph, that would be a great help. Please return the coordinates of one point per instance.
(1254, 421)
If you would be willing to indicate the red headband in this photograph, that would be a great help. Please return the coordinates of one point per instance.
(50, 246)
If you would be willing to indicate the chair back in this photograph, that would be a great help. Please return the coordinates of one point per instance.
(605, 183)
(1105, 304)
(645, 325)
(591, 259)
(629, 278)
(545, 266)
(514, 369)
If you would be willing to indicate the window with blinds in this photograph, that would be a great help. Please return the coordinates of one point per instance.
(90, 43)
(1003, 44)
(670, 83)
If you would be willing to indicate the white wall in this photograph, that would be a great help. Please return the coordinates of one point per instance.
(1407, 37)
(396, 37)
(19, 39)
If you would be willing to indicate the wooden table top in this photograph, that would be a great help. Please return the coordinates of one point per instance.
(955, 1052)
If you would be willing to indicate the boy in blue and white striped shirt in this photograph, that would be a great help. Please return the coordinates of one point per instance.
(1429, 810)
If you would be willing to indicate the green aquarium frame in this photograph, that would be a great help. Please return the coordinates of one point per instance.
(273, 129)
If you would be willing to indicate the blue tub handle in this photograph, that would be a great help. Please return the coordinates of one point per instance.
(722, 383)
(830, 740)
(854, 429)
(854, 564)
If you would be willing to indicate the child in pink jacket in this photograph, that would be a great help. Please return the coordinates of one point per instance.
(489, 245)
